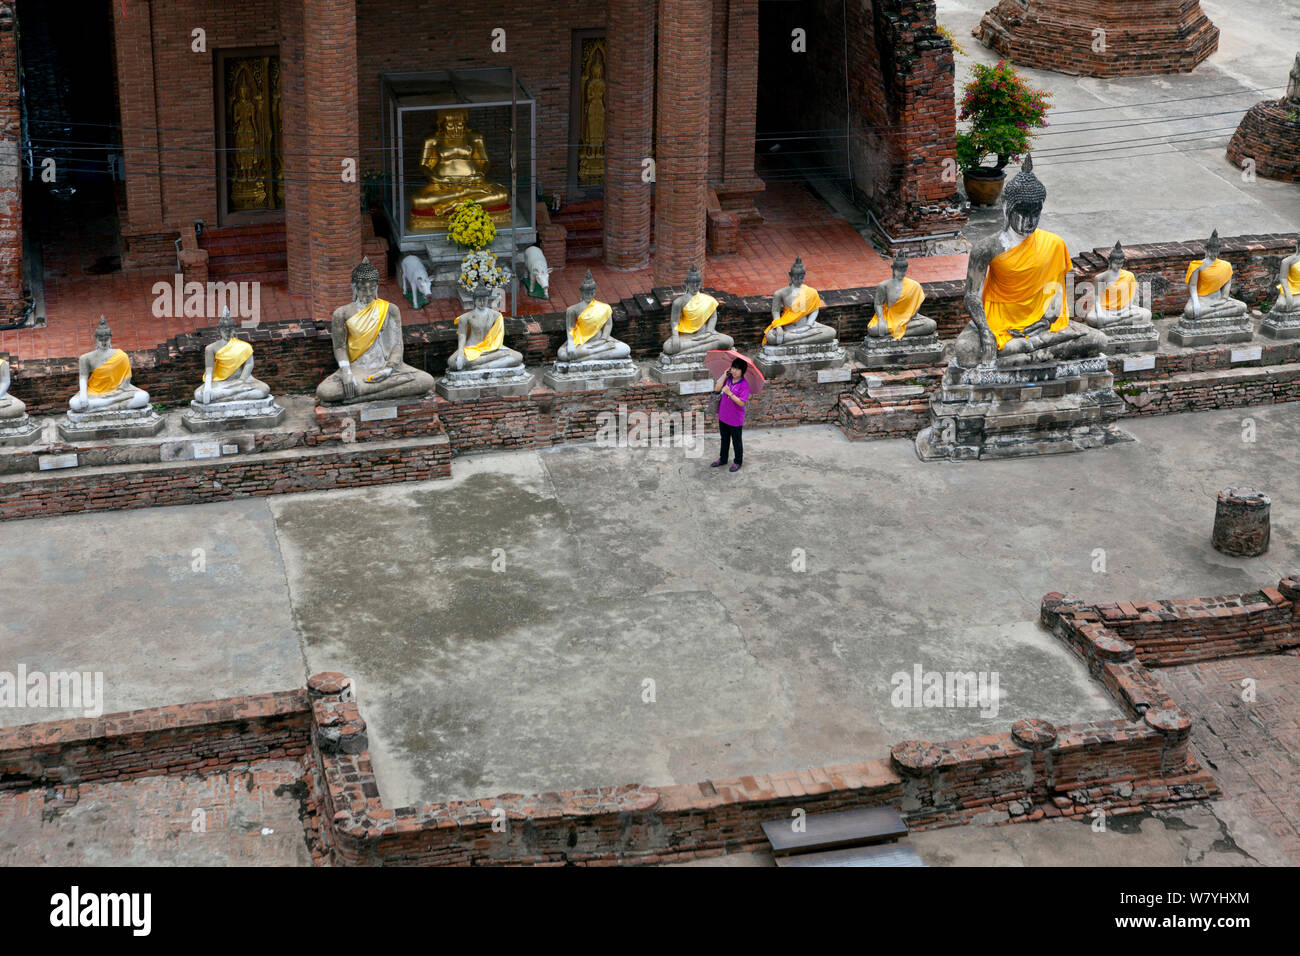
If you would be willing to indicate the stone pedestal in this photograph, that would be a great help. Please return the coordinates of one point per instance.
(220, 416)
(885, 351)
(113, 423)
(1127, 338)
(1281, 325)
(590, 375)
(18, 431)
(487, 383)
(679, 368)
(1222, 331)
(1241, 522)
(775, 360)
(992, 412)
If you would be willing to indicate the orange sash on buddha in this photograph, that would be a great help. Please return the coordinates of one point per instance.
(1022, 282)
(1292, 279)
(1120, 292)
(898, 314)
(806, 302)
(110, 375)
(1212, 278)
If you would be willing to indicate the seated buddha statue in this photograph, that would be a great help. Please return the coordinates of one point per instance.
(898, 301)
(1288, 280)
(480, 338)
(1015, 289)
(1209, 286)
(1116, 296)
(588, 328)
(228, 369)
(104, 378)
(367, 338)
(694, 320)
(794, 313)
(456, 163)
(10, 407)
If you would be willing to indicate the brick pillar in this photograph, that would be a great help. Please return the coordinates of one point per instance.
(138, 108)
(682, 132)
(329, 59)
(629, 48)
(297, 216)
(742, 93)
(11, 172)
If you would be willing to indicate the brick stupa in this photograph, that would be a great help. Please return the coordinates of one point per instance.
(1269, 134)
(1139, 39)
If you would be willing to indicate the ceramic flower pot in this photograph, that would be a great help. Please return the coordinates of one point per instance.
(983, 185)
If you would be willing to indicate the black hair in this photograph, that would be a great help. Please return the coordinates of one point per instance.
(741, 364)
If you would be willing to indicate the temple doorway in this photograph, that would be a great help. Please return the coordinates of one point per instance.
(71, 158)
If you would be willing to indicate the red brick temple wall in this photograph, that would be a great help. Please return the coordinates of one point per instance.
(1140, 39)
(11, 174)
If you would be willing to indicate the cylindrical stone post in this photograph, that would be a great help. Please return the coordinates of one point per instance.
(1241, 522)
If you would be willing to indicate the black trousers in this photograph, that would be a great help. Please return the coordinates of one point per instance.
(731, 436)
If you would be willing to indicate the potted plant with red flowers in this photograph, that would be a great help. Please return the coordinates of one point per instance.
(1003, 112)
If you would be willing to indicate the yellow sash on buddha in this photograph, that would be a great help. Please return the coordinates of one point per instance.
(1292, 279)
(1212, 278)
(696, 312)
(494, 339)
(590, 321)
(1022, 281)
(110, 375)
(229, 359)
(805, 303)
(1120, 292)
(363, 328)
(898, 314)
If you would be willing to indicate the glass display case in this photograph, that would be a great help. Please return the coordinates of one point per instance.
(447, 138)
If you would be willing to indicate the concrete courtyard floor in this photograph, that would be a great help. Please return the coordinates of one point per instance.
(619, 567)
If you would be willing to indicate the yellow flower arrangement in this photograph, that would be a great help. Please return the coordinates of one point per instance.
(470, 227)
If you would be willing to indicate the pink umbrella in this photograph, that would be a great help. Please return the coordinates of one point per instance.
(719, 360)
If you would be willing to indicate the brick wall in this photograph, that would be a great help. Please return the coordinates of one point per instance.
(179, 739)
(12, 299)
(1168, 633)
(1150, 37)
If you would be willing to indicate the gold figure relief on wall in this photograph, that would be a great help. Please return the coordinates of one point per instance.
(591, 149)
(254, 165)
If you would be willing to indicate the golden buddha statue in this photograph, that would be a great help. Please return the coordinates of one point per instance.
(456, 162)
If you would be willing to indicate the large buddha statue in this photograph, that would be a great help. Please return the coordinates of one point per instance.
(1209, 286)
(104, 378)
(228, 369)
(456, 163)
(10, 407)
(898, 302)
(1015, 289)
(367, 338)
(694, 321)
(480, 338)
(794, 313)
(1116, 299)
(588, 329)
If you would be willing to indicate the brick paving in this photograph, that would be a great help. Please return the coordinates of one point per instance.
(795, 223)
(1253, 749)
(147, 821)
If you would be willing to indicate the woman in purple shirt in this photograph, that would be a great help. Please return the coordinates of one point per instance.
(731, 410)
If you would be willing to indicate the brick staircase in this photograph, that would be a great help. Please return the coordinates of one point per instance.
(248, 253)
(585, 222)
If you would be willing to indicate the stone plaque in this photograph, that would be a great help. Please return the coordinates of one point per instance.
(1252, 354)
(1139, 362)
(51, 462)
(695, 387)
(834, 374)
(594, 384)
(230, 449)
(207, 449)
(378, 414)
